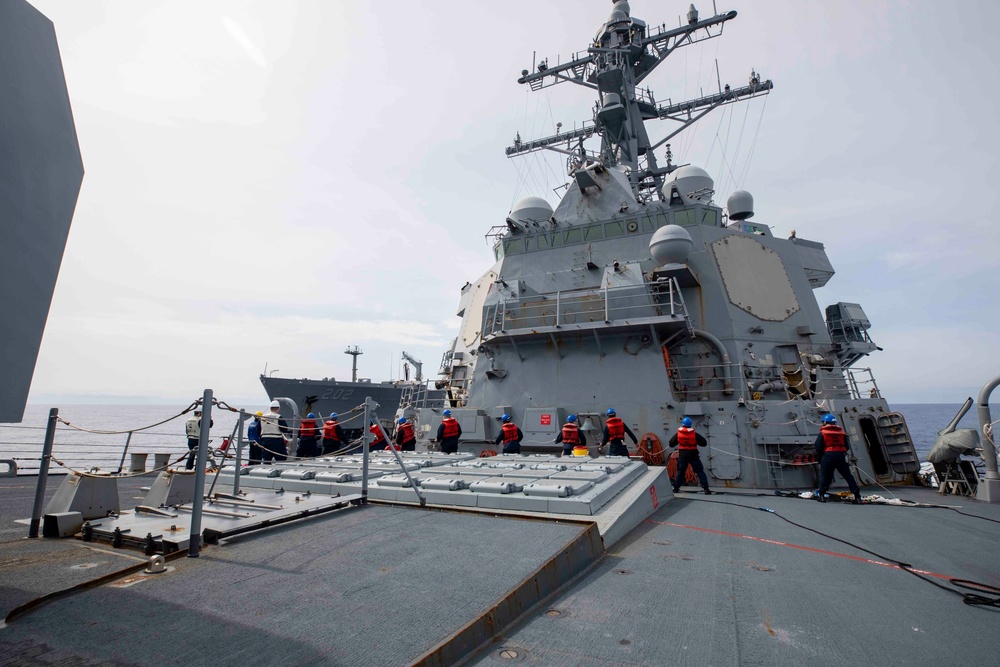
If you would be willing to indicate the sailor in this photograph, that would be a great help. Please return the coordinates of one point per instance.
(448, 433)
(832, 444)
(272, 434)
(333, 435)
(405, 437)
(615, 431)
(193, 429)
(253, 435)
(307, 437)
(792, 237)
(687, 443)
(378, 437)
(510, 435)
(570, 436)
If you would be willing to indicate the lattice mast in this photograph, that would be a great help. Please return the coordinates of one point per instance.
(623, 53)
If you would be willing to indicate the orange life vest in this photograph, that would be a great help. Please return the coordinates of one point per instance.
(616, 428)
(330, 430)
(570, 435)
(450, 428)
(510, 433)
(686, 440)
(833, 438)
(407, 431)
(377, 432)
(308, 428)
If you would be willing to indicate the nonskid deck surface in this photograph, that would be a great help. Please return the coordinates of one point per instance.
(371, 585)
(706, 582)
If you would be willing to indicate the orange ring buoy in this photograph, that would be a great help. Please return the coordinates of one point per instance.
(486, 453)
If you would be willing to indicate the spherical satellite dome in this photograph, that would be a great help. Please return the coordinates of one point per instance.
(692, 183)
(530, 209)
(740, 205)
(617, 18)
(670, 245)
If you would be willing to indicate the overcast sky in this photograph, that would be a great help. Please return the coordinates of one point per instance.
(270, 182)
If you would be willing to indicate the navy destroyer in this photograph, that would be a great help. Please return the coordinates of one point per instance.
(640, 292)
(657, 304)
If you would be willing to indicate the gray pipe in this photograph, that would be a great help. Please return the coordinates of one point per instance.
(727, 383)
(985, 419)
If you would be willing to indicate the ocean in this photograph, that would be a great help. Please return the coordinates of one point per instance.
(83, 450)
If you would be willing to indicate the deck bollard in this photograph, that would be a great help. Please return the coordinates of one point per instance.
(138, 462)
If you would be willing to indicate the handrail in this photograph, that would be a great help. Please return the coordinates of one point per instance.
(583, 306)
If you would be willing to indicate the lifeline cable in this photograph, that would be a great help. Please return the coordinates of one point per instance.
(972, 599)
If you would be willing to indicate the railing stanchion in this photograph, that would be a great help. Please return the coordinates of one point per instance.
(194, 538)
(239, 453)
(43, 472)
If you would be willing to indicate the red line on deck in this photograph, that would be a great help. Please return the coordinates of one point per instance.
(779, 543)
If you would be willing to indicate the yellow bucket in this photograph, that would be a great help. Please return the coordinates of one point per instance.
(580, 451)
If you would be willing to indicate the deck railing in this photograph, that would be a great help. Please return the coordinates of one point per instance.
(584, 308)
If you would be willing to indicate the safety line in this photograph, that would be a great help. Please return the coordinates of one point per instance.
(779, 543)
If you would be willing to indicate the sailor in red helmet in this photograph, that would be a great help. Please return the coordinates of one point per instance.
(510, 435)
(687, 442)
(571, 436)
(833, 445)
(615, 431)
(405, 437)
(448, 433)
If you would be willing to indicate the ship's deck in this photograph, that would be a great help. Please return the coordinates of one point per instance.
(703, 581)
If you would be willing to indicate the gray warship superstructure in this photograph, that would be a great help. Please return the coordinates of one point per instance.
(639, 292)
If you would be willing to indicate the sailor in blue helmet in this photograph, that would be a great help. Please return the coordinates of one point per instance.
(307, 438)
(571, 436)
(615, 431)
(448, 433)
(510, 435)
(833, 445)
(333, 436)
(687, 442)
(405, 437)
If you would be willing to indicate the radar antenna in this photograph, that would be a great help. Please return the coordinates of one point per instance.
(624, 52)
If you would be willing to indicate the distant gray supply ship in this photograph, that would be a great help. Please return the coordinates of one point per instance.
(329, 395)
(639, 292)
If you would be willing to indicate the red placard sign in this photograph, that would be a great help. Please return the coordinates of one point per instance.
(652, 493)
(546, 420)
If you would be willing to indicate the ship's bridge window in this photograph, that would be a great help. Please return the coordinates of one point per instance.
(613, 229)
(662, 220)
(573, 236)
(556, 238)
(684, 218)
(710, 217)
(592, 233)
(543, 242)
(648, 225)
(513, 246)
(531, 243)
(498, 251)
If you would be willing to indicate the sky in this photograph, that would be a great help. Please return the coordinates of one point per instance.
(269, 183)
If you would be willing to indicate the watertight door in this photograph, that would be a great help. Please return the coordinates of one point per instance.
(723, 456)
